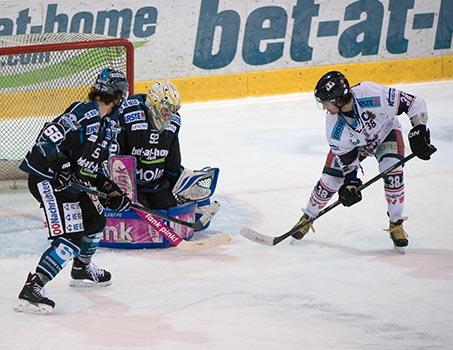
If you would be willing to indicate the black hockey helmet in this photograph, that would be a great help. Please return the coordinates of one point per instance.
(333, 87)
(112, 83)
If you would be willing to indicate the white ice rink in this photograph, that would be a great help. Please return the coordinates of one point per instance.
(344, 287)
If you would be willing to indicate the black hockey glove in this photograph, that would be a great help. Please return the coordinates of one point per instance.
(116, 200)
(62, 173)
(420, 142)
(349, 193)
(61, 180)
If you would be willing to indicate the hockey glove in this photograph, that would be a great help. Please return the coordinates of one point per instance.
(61, 180)
(420, 142)
(116, 199)
(349, 193)
(62, 173)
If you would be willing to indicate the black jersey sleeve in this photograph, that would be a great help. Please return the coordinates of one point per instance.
(173, 163)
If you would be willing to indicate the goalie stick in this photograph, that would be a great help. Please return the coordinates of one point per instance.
(177, 241)
(208, 214)
(152, 217)
(271, 241)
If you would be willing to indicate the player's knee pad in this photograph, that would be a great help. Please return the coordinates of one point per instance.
(394, 180)
(393, 188)
(326, 187)
(387, 162)
(89, 244)
(55, 258)
(330, 183)
(391, 147)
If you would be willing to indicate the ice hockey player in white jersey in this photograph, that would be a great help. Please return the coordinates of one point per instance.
(362, 121)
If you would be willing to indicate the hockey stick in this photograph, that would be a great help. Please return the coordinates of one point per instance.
(271, 241)
(176, 240)
(152, 217)
(197, 225)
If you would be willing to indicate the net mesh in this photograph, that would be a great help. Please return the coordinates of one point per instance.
(38, 81)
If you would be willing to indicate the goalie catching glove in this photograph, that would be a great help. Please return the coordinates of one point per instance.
(116, 199)
(196, 185)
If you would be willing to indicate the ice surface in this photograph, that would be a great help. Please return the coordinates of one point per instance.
(342, 288)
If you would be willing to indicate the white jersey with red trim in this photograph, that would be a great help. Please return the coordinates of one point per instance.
(376, 108)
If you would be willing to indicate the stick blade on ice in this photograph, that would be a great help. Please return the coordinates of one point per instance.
(257, 237)
(205, 243)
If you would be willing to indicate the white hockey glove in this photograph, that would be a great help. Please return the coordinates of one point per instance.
(196, 185)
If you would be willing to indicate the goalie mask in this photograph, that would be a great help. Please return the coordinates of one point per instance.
(163, 101)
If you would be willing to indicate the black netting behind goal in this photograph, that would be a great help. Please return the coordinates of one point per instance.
(40, 76)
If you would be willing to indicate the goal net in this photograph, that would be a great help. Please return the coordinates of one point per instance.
(40, 76)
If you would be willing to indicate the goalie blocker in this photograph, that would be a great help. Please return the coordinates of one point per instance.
(193, 191)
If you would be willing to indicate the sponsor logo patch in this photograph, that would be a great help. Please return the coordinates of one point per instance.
(337, 130)
(53, 218)
(129, 103)
(139, 126)
(92, 128)
(391, 97)
(370, 102)
(134, 116)
(176, 119)
(73, 217)
(91, 114)
(171, 128)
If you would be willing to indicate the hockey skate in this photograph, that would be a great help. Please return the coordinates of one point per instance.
(398, 236)
(89, 275)
(299, 234)
(33, 297)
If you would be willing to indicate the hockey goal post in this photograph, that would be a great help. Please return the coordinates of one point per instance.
(40, 76)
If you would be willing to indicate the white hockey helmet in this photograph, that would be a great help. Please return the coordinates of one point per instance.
(163, 101)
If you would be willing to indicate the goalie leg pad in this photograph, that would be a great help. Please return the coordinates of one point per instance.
(205, 211)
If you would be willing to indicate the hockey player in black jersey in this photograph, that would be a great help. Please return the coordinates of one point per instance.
(149, 131)
(74, 147)
(150, 125)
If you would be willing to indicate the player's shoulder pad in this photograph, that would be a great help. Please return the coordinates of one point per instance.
(133, 102)
(176, 119)
(81, 112)
(175, 124)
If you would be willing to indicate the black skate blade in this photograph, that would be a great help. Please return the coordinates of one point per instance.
(33, 308)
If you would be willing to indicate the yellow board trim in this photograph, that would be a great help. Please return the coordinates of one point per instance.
(35, 103)
(240, 85)
(293, 80)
